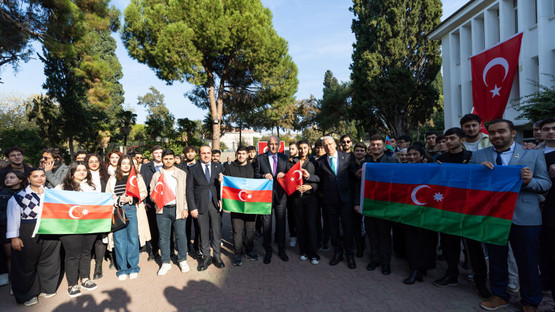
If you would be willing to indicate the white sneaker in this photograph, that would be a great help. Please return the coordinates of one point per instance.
(4, 279)
(164, 269)
(293, 242)
(314, 261)
(133, 275)
(122, 277)
(31, 302)
(184, 266)
(303, 257)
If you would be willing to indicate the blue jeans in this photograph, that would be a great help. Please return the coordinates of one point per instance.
(126, 244)
(165, 222)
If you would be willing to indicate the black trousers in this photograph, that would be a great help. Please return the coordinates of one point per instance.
(278, 210)
(547, 258)
(452, 251)
(379, 236)
(398, 238)
(154, 235)
(357, 231)
(306, 213)
(322, 221)
(291, 219)
(191, 223)
(78, 249)
(421, 248)
(340, 215)
(211, 219)
(242, 222)
(36, 268)
(99, 250)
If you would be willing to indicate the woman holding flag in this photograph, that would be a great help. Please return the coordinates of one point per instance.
(78, 247)
(35, 262)
(126, 241)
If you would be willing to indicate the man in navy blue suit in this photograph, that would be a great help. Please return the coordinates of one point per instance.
(336, 171)
(267, 166)
(525, 230)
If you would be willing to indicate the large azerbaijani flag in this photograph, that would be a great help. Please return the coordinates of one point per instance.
(250, 196)
(465, 200)
(69, 212)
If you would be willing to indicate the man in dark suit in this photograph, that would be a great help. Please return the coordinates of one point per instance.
(267, 166)
(335, 171)
(147, 171)
(527, 219)
(203, 195)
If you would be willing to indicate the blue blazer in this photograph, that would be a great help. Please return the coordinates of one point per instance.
(527, 210)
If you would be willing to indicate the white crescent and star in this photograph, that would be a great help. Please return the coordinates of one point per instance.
(300, 175)
(156, 188)
(131, 181)
(496, 61)
(437, 196)
(249, 196)
(84, 212)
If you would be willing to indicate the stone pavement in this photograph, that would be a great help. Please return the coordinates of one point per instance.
(280, 286)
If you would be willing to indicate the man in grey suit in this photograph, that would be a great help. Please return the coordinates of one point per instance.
(525, 230)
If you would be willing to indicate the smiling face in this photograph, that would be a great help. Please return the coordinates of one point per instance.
(414, 156)
(330, 146)
(114, 158)
(304, 150)
(80, 173)
(93, 163)
(273, 145)
(126, 166)
(37, 178)
(500, 135)
(15, 158)
(205, 154)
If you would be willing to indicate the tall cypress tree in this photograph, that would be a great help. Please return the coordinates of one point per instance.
(394, 63)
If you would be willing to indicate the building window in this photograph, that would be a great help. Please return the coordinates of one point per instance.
(515, 9)
(535, 8)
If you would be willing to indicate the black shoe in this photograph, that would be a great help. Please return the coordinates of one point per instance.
(151, 257)
(268, 257)
(386, 269)
(414, 276)
(336, 259)
(97, 271)
(112, 266)
(446, 281)
(238, 260)
(372, 266)
(351, 262)
(283, 256)
(483, 291)
(218, 262)
(360, 252)
(252, 255)
(204, 263)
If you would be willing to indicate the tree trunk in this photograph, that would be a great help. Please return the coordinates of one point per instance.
(70, 143)
(214, 112)
(240, 133)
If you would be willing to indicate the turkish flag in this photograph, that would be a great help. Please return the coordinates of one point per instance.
(493, 72)
(162, 193)
(132, 186)
(292, 179)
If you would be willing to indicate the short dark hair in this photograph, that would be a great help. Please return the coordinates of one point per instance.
(319, 143)
(302, 142)
(292, 143)
(155, 148)
(377, 137)
(508, 122)
(216, 151)
(456, 130)
(189, 148)
(242, 149)
(392, 137)
(440, 137)
(79, 152)
(13, 149)
(421, 150)
(251, 148)
(362, 145)
(168, 151)
(430, 133)
(55, 152)
(470, 117)
(345, 136)
(404, 137)
(546, 121)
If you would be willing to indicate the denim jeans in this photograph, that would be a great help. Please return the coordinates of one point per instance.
(165, 222)
(126, 244)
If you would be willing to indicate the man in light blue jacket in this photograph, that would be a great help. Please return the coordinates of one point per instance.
(527, 218)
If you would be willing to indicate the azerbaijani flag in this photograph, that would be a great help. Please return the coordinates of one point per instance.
(69, 212)
(388, 145)
(465, 200)
(250, 196)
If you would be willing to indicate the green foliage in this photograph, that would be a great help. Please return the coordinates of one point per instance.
(538, 105)
(394, 63)
(227, 49)
(160, 122)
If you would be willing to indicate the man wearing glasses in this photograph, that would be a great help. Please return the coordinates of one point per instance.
(15, 157)
(345, 142)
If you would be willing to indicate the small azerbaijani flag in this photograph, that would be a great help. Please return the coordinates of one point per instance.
(388, 145)
(249, 196)
(464, 200)
(70, 212)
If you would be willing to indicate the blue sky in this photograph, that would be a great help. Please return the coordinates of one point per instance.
(319, 36)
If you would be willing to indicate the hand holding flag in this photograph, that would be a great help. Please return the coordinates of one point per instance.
(162, 193)
(132, 186)
(292, 179)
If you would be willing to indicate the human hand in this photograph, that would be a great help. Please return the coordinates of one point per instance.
(17, 243)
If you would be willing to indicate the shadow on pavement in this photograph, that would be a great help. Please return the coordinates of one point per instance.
(118, 301)
(193, 296)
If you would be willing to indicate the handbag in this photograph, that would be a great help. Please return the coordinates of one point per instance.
(119, 219)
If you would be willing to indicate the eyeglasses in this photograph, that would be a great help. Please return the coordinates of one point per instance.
(345, 142)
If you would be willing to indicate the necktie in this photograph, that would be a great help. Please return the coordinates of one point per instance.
(207, 175)
(332, 163)
(275, 165)
(498, 160)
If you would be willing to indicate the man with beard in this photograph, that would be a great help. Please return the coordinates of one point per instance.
(474, 139)
(15, 157)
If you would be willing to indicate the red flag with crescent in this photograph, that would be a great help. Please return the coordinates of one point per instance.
(162, 193)
(132, 186)
(493, 72)
(292, 179)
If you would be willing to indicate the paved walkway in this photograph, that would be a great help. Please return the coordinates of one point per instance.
(279, 286)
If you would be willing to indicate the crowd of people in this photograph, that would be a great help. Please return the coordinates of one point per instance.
(324, 212)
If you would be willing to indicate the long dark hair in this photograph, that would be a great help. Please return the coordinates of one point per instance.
(69, 183)
(102, 170)
(21, 176)
(119, 173)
